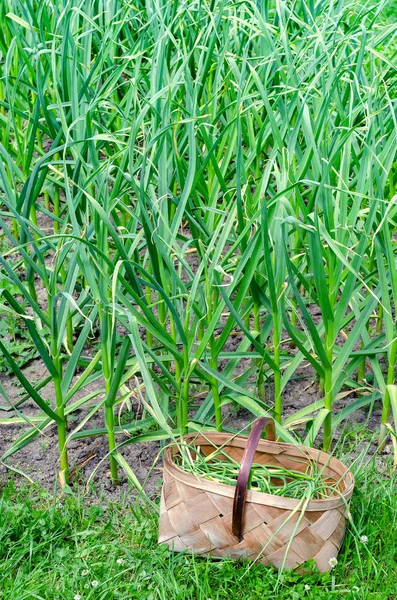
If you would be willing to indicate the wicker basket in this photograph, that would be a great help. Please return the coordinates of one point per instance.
(222, 520)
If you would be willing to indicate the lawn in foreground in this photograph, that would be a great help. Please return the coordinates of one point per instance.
(66, 549)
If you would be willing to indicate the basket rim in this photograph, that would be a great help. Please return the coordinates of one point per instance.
(257, 497)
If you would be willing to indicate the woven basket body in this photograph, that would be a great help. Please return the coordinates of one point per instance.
(196, 514)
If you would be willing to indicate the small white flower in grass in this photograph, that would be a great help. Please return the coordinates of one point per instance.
(77, 597)
(307, 587)
(332, 562)
(120, 561)
(355, 588)
(94, 583)
(363, 539)
(84, 572)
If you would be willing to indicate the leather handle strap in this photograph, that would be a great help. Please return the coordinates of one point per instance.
(245, 469)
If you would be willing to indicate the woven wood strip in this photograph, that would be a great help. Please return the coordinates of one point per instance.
(263, 540)
(172, 495)
(222, 503)
(323, 557)
(306, 544)
(181, 520)
(196, 514)
(177, 545)
(199, 541)
(253, 518)
(285, 558)
(337, 536)
(219, 533)
(187, 492)
(239, 552)
(284, 528)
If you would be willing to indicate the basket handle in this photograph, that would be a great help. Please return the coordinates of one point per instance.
(245, 469)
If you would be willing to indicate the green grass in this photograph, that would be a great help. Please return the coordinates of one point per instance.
(56, 548)
(390, 11)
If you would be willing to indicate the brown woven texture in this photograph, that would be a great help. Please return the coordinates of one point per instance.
(196, 514)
